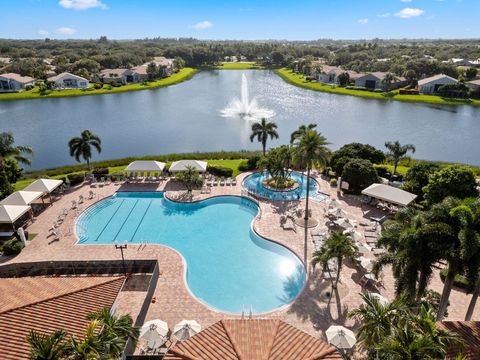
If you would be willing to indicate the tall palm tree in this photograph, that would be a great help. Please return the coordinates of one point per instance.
(398, 152)
(47, 347)
(88, 348)
(308, 150)
(302, 129)
(338, 246)
(190, 178)
(262, 131)
(81, 147)
(118, 325)
(9, 151)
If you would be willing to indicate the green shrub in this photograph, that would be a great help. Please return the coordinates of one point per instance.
(243, 166)
(99, 171)
(460, 281)
(220, 171)
(97, 86)
(12, 247)
(75, 179)
(250, 164)
(333, 182)
(359, 174)
(383, 171)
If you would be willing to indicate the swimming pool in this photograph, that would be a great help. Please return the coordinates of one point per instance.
(254, 184)
(228, 266)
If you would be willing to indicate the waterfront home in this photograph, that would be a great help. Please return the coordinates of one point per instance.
(123, 76)
(328, 74)
(376, 81)
(431, 84)
(14, 82)
(168, 66)
(474, 84)
(66, 80)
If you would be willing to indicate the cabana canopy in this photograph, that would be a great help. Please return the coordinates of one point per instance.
(145, 166)
(44, 185)
(200, 166)
(21, 198)
(390, 194)
(11, 213)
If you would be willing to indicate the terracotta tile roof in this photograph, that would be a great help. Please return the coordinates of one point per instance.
(18, 77)
(469, 331)
(48, 304)
(257, 339)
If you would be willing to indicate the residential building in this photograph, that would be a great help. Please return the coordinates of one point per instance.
(253, 339)
(123, 76)
(474, 84)
(431, 84)
(376, 81)
(469, 333)
(14, 82)
(66, 80)
(168, 66)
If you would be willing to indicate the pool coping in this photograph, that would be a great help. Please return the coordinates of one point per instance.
(184, 262)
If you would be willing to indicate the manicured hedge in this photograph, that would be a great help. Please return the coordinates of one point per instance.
(12, 247)
(220, 171)
(75, 179)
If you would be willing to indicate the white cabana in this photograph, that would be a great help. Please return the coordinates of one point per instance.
(21, 198)
(11, 213)
(341, 337)
(389, 194)
(181, 165)
(46, 186)
(145, 166)
(186, 329)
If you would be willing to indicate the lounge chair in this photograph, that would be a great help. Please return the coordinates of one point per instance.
(91, 195)
(80, 199)
(234, 181)
(227, 182)
(222, 182)
(74, 204)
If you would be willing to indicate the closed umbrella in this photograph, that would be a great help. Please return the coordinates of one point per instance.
(341, 337)
(382, 300)
(154, 332)
(21, 234)
(186, 329)
(367, 264)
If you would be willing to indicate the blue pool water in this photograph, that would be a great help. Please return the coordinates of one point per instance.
(254, 184)
(229, 267)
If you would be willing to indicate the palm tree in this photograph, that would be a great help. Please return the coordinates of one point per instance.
(119, 325)
(262, 130)
(302, 129)
(377, 320)
(338, 246)
(398, 152)
(190, 178)
(47, 347)
(389, 78)
(90, 347)
(81, 147)
(8, 151)
(308, 150)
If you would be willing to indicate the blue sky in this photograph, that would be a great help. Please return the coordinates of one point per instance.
(246, 19)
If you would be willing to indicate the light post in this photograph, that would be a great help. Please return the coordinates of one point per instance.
(121, 247)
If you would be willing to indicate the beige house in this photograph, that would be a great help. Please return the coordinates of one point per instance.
(124, 76)
(14, 82)
(66, 80)
(431, 84)
(474, 84)
(167, 65)
(375, 81)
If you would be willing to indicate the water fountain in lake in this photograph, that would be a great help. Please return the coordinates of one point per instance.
(244, 108)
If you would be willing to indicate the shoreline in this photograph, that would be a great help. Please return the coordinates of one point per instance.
(299, 80)
(183, 75)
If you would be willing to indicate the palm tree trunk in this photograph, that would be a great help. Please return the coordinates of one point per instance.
(473, 302)
(339, 268)
(88, 164)
(447, 288)
(395, 165)
(308, 191)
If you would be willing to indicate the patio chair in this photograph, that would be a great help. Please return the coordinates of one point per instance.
(80, 199)
(74, 205)
(234, 181)
(227, 182)
(222, 181)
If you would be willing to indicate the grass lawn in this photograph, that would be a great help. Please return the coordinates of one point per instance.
(244, 65)
(182, 75)
(299, 80)
(401, 169)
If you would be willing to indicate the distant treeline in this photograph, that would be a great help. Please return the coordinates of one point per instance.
(89, 56)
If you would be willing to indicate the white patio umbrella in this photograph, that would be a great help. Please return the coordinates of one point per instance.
(344, 223)
(333, 203)
(356, 236)
(186, 329)
(341, 337)
(337, 212)
(382, 300)
(154, 332)
(366, 263)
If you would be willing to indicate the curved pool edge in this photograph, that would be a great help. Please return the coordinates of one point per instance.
(184, 262)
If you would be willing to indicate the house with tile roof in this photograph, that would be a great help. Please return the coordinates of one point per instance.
(252, 339)
(375, 81)
(469, 332)
(46, 304)
(66, 80)
(14, 82)
(123, 76)
(431, 84)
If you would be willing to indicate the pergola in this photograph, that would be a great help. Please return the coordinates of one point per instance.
(22, 198)
(145, 166)
(389, 194)
(9, 214)
(181, 165)
(46, 186)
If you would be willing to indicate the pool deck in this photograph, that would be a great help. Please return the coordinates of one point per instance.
(174, 302)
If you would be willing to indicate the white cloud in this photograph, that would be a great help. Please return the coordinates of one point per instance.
(82, 4)
(202, 25)
(43, 32)
(363, 21)
(65, 31)
(384, 15)
(409, 13)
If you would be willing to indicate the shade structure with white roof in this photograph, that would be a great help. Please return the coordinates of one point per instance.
(389, 194)
(46, 186)
(182, 165)
(21, 198)
(11, 213)
(186, 329)
(145, 166)
(341, 337)
(154, 332)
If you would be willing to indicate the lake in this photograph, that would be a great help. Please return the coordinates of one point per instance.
(187, 117)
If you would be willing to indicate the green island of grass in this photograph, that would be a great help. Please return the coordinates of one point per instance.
(244, 65)
(299, 80)
(182, 75)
